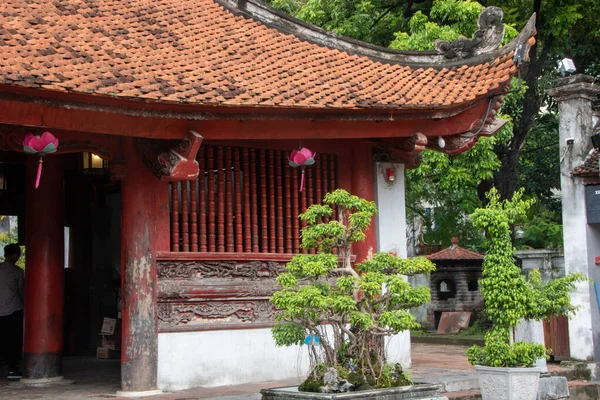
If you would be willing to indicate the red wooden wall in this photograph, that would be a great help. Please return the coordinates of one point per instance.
(246, 200)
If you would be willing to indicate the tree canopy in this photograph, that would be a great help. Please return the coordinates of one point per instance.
(525, 153)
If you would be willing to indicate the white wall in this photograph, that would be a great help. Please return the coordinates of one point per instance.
(391, 220)
(391, 237)
(398, 349)
(229, 357)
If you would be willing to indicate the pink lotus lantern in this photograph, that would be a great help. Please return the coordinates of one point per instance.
(302, 158)
(40, 146)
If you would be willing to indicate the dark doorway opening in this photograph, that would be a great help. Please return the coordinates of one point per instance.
(93, 276)
(446, 289)
(92, 270)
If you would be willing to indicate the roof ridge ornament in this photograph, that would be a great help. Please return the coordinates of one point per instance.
(486, 39)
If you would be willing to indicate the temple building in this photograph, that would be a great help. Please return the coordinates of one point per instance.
(171, 183)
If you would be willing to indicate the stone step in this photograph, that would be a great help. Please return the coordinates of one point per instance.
(451, 380)
(577, 391)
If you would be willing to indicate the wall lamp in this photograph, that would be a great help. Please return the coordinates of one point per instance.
(566, 66)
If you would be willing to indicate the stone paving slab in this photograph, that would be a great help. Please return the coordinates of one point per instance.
(100, 379)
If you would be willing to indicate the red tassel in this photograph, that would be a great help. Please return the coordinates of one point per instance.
(39, 173)
(302, 181)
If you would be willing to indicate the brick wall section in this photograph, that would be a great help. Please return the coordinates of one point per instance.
(464, 299)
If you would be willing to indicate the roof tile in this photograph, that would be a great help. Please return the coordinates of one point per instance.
(195, 51)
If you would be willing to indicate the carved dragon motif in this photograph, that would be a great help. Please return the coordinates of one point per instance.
(219, 269)
(487, 38)
(238, 312)
(172, 160)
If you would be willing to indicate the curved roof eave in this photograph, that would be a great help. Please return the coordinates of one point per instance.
(286, 23)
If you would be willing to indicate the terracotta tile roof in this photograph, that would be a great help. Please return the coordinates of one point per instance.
(589, 168)
(198, 52)
(455, 253)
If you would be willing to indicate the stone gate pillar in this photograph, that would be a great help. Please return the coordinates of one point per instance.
(581, 241)
(44, 273)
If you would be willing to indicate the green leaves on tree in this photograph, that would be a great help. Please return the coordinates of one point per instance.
(509, 296)
(360, 304)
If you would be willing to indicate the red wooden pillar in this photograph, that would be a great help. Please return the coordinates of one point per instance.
(363, 185)
(44, 289)
(139, 191)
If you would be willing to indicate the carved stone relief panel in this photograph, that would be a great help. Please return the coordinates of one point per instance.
(219, 269)
(212, 314)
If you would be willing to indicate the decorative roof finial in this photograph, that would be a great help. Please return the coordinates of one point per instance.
(487, 38)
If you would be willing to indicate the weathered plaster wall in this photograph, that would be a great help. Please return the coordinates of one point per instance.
(391, 236)
(551, 263)
(391, 220)
(420, 313)
(593, 237)
(228, 357)
(575, 95)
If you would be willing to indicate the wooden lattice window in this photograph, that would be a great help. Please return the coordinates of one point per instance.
(246, 200)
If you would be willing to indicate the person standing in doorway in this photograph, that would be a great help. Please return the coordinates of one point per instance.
(11, 310)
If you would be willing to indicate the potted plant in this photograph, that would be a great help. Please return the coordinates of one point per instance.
(344, 313)
(504, 366)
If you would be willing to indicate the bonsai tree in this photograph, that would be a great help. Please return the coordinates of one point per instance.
(344, 312)
(508, 295)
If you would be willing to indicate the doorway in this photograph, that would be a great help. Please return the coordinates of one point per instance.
(92, 267)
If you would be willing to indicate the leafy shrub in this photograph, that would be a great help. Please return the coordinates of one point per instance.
(360, 307)
(508, 296)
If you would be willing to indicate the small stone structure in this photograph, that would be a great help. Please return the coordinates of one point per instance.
(454, 284)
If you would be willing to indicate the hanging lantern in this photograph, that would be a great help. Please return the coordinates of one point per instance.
(302, 158)
(40, 146)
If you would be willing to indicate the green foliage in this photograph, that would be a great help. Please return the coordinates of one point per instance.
(361, 308)
(9, 238)
(543, 229)
(447, 20)
(566, 28)
(498, 352)
(508, 296)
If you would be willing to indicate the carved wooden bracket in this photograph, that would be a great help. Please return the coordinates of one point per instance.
(404, 150)
(487, 38)
(173, 160)
(457, 144)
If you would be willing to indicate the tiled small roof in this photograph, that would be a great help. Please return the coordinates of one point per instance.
(200, 52)
(589, 168)
(455, 253)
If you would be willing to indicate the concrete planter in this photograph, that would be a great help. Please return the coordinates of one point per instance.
(416, 392)
(508, 383)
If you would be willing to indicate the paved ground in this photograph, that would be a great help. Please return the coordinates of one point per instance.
(99, 379)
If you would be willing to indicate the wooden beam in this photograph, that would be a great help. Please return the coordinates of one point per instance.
(55, 117)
